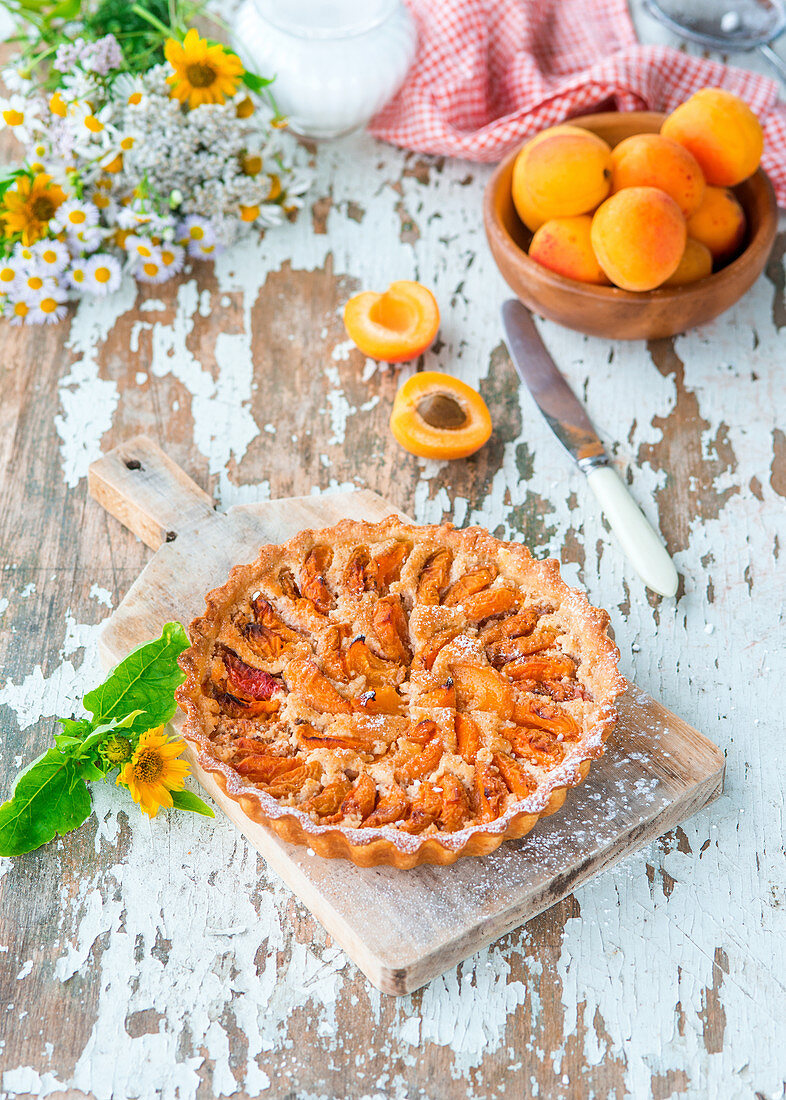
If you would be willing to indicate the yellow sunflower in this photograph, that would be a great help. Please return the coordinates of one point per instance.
(203, 73)
(152, 772)
(30, 205)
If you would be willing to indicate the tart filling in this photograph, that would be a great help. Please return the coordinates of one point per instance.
(420, 680)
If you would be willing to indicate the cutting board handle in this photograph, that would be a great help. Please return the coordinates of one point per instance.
(148, 492)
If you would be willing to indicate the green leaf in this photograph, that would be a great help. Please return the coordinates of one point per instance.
(65, 742)
(74, 732)
(66, 9)
(92, 770)
(254, 82)
(9, 180)
(78, 728)
(50, 797)
(144, 682)
(187, 800)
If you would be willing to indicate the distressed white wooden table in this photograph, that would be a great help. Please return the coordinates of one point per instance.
(162, 959)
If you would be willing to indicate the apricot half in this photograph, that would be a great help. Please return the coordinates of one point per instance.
(395, 326)
(437, 416)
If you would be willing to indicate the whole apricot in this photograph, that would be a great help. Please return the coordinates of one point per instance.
(651, 160)
(561, 172)
(696, 263)
(721, 131)
(639, 237)
(563, 245)
(719, 223)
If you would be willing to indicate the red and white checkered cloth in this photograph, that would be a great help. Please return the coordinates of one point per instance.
(490, 73)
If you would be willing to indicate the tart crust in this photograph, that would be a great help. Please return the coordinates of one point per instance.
(398, 694)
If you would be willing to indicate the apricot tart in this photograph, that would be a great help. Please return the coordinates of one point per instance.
(397, 694)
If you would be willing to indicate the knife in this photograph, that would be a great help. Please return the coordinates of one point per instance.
(568, 420)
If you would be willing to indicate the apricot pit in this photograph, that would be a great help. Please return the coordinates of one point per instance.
(437, 416)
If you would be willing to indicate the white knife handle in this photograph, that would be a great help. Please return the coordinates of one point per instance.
(640, 542)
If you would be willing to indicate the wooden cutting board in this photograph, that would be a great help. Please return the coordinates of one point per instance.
(401, 928)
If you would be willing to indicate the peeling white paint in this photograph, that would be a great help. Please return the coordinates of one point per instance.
(101, 595)
(26, 969)
(27, 1081)
(87, 399)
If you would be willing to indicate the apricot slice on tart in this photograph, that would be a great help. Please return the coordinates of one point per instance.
(395, 326)
(437, 416)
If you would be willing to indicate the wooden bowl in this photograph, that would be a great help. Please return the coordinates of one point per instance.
(608, 311)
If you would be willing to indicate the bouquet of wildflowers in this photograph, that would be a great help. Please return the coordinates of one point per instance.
(146, 146)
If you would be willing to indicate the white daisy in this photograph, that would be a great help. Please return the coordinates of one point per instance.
(131, 219)
(24, 254)
(92, 132)
(299, 182)
(102, 274)
(86, 240)
(198, 250)
(32, 283)
(112, 159)
(102, 200)
(52, 256)
(196, 230)
(152, 271)
(16, 311)
(48, 307)
(76, 275)
(75, 215)
(19, 113)
(128, 88)
(172, 258)
(142, 249)
(9, 273)
(15, 81)
(270, 215)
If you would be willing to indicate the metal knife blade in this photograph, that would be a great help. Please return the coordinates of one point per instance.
(556, 400)
(573, 428)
